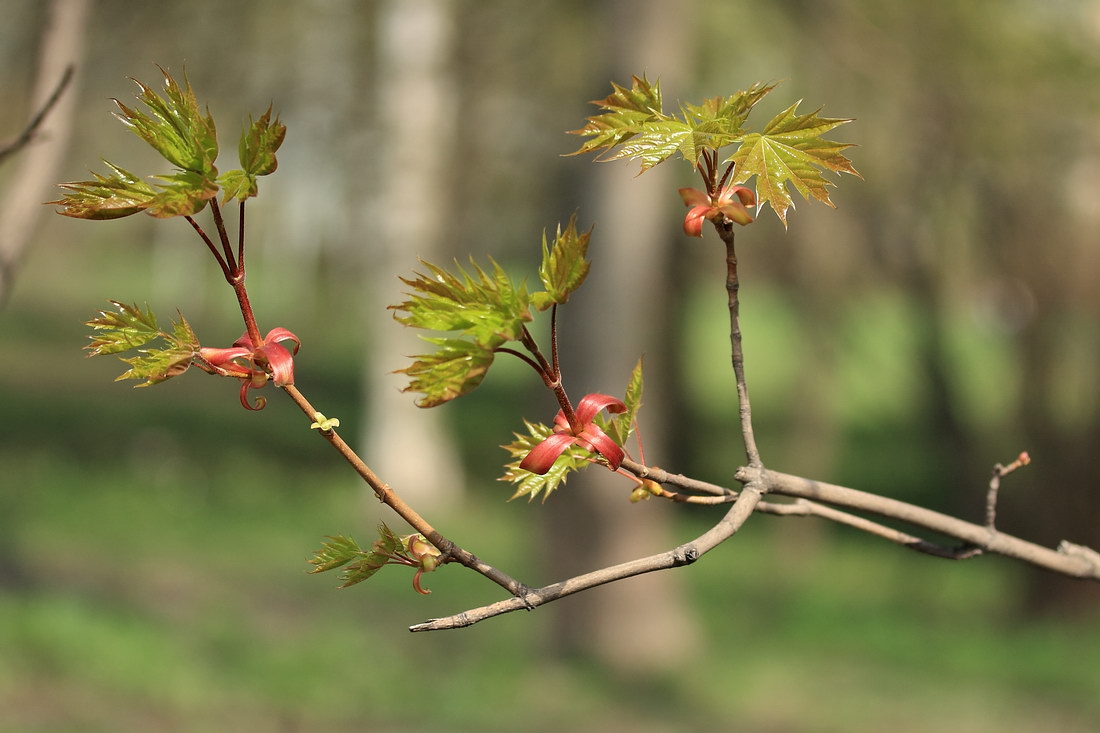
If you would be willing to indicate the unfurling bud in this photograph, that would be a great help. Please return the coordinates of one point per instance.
(425, 554)
(639, 494)
(422, 551)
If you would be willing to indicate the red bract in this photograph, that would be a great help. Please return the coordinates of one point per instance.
(587, 435)
(730, 201)
(254, 365)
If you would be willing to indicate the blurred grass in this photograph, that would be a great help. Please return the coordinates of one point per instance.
(188, 606)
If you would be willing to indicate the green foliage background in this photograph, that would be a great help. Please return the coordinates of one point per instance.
(152, 575)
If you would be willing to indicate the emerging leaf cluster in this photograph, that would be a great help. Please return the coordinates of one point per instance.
(128, 328)
(178, 128)
(359, 565)
(790, 148)
(531, 484)
(483, 309)
(619, 426)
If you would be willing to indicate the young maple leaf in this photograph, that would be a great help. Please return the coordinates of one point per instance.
(585, 434)
(791, 149)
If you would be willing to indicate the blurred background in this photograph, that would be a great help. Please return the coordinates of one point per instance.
(943, 318)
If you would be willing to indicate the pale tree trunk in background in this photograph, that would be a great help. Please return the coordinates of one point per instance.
(37, 164)
(320, 102)
(62, 44)
(408, 446)
(644, 624)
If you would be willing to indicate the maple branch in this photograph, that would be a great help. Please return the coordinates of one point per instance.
(386, 494)
(528, 360)
(680, 556)
(240, 237)
(725, 177)
(995, 486)
(800, 507)
(725, 231)
(554, 342)
(210, 245)
(249, 316)
(1069, 559)
(554, 381)
(224, 237)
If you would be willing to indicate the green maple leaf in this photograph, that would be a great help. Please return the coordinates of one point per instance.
(183, 134)
(175, 126)
(454, 369)
(635, 124)
(359, 570)
(183, 193)
(106, 197)
(259, 143)
(717, 122)
(338, 550)
(157, 365)
(122, 194)
(791, 149)
(531, 484)
(257, 148)
(388, 541)
(627, 111)
(131, 328)
(563, 267)
(358, 565)
(123, 329)
(341, 551)
(486, 306)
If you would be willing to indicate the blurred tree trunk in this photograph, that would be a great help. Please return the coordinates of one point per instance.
(62, 44)
(409, 447)
(321, 102)
(622, 312)
(1060, 411)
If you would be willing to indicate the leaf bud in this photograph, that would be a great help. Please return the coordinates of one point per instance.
(423, 552)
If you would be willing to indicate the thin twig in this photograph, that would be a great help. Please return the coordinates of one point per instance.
(677, 557)
(725, 177)
(211, 246)
(800, 507)
(230, 259)
(679, 480)
(554, 342)
(995, 486)
(1069, 559)
(1072, 564)
(240, 237)
(386, 494)
(725, 231)
(27, 135)
(530, 362)
(555, 384)
(807, 508)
